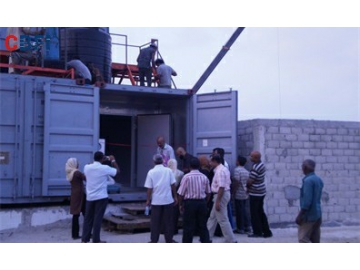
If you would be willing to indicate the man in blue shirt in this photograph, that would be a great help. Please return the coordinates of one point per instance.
(309, 217)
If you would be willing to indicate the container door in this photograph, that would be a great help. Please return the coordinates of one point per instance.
(214, 124)
(149, 127)
(71, 130)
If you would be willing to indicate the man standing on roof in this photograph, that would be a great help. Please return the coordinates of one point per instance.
(145, 62)
(164, 73)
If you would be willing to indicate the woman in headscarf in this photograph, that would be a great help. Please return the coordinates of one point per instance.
(172, 164)
(77, 198)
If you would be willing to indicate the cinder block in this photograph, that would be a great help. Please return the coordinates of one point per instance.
(297, 144)
(314, 138)
(354, 145)
(315, 152)
(303, 137)
(309, 145)
(337, 138)
(291, 137)
(287, 218)
(284, 144)
(348, 138)
(338, 152)
(320, 159)
(339, 166)
(273, 144)
(343, 145)
(274, 218)
(285, 130)
(270, 151)
(320, 131)
(342, 131)
(304, 152)
(296, 131)
(331, 131)
(272, 130)
(354, 159)
(331, 159)
(353, 132)
(326, 152)
(350, 152)
(326, 138)
(320, 145)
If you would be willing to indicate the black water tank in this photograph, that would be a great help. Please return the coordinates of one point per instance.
(90, 44)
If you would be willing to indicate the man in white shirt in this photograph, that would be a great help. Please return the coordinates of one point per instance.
(97, 177)
(81, 70)
(161, 194)
(164, 73)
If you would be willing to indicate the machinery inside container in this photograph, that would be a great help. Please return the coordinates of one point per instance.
(130, 124)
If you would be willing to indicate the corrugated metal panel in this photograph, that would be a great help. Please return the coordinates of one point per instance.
(71, 130)
(215, 124)
(21, 137)
(11, 125)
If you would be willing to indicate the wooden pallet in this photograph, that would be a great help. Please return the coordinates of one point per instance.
(132, 221)
(126, 225)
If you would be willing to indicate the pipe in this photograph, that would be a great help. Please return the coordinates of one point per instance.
(216, 60)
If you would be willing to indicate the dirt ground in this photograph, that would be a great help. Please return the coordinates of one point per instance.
(60, 232)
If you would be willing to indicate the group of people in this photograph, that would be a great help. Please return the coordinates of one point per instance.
(202, 196)
(90, 199)
(147, 63)
(202, 190)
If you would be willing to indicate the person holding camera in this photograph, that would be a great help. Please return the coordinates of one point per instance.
(97, 178)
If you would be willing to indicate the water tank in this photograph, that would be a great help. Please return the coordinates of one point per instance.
(90, 44)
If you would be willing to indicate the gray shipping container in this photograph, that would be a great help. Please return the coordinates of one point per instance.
(44, 121)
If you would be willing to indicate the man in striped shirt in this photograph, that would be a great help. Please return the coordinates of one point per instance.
(194, 193)
(257, 191)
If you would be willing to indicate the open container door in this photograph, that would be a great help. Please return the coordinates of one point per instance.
(71, 130)
(214, 124)
(149, 127)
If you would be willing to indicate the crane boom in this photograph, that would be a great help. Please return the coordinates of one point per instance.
(217, 60)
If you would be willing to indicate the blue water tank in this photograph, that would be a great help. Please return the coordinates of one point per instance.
(3, 31)
(90, 44)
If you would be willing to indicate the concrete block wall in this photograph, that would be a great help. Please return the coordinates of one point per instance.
(284, 144)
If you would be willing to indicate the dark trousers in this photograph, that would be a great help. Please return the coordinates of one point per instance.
(176, 215)
(242, 211)
(194, 219)
(259, 220)
(75, 226)
(145, 73)
(95, 211)
(162, 218)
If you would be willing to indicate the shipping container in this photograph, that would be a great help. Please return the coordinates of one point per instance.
(44, 121)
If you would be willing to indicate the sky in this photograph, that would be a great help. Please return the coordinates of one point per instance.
(294, 60)
(279, 72)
